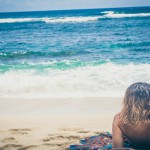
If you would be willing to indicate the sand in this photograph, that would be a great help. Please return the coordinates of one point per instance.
(43, 124)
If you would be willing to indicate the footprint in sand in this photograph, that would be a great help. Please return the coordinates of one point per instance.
(9, 140)
(61, 137)
(60, 141)
(10, 147)
(41, 147)
(98, 132)
(77, 130)
(65, 138)
(20, 131)
(30, 147)
(52, 138)
(71, 129)
(83, 131)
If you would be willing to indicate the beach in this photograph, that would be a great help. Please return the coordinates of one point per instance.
(63, 73)
(28, 124)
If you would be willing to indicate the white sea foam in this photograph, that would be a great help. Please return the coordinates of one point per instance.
(71, 19)
(13, 20)
(111, 14)
(49, 20)
(107, 14)
(106, 80)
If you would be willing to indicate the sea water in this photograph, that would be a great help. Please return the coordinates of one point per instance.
(74, 53)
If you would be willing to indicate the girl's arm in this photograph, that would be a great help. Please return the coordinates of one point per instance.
(117, 135)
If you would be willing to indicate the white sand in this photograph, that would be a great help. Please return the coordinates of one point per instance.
(28, 124)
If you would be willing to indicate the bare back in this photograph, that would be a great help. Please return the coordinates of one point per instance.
(138, 136)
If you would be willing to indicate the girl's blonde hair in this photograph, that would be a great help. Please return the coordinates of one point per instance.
(136, 104)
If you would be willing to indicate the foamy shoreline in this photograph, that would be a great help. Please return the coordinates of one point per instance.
(53, 123)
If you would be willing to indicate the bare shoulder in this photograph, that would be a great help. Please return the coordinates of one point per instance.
(117, 135)
(117, 115)
(117, 119)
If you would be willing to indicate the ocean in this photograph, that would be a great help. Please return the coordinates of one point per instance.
(73, 53)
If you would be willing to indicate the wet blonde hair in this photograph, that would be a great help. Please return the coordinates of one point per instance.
(136, 104)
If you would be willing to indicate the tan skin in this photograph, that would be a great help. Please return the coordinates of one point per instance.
(137, 135)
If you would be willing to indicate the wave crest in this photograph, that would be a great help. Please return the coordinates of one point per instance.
(107, 14)
(111, 14)
(15, 20)
(49, 20)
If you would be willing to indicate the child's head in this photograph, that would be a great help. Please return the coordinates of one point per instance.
(136, 104)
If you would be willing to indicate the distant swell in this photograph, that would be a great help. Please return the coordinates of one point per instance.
(105, 80)
(106, 14)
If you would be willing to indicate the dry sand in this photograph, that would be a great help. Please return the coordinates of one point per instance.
(47, 124)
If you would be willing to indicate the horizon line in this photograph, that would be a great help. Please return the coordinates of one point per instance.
(72, 9)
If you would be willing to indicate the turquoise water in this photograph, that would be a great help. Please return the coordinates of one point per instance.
(74, 53)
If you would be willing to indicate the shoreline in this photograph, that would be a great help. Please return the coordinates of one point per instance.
(54, 123)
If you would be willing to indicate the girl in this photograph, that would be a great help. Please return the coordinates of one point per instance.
(133, 122)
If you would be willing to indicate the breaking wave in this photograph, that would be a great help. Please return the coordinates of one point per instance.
(106, 14)
(105, 80)
(111, 14)
(49, 20)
